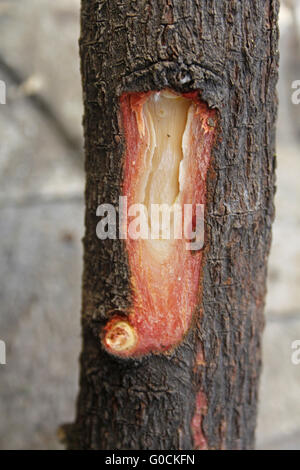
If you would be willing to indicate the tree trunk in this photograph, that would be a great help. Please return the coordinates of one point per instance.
(202, 394)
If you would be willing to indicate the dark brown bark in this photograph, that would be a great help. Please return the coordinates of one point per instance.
(226, 49)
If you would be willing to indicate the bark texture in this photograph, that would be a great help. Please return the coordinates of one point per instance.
(203, 394)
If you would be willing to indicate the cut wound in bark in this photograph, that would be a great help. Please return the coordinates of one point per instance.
(169, 137)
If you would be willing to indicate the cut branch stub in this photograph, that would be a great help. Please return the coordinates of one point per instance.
(169, 137)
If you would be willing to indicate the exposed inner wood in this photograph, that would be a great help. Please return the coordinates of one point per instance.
(165, 117)
(121, 336)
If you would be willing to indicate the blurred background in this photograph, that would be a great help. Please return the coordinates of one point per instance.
(41, 226)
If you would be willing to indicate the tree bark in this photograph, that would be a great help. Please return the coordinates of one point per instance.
(202, 394)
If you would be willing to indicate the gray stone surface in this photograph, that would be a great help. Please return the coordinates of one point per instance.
(40, 309)
(279, 417)
(41, 224)
(283, 296)
(283, 442)
(40, 39)
(33, 162)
